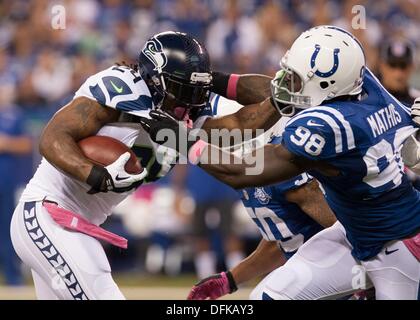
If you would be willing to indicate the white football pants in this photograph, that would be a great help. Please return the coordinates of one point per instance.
(323, 268)
(65, 264)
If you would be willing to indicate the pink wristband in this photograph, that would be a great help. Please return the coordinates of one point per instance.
(232, 84)
(196, 151)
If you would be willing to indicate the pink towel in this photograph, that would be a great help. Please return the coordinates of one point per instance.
(76, 222)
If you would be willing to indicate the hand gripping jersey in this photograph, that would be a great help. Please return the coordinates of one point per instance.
(277, 219)
(371, 196)
(123, 89)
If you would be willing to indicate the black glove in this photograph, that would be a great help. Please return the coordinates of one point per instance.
(179, 137)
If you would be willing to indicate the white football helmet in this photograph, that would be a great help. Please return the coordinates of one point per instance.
(323, 63)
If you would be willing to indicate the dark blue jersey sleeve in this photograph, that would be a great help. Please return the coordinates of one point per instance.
(313, 135)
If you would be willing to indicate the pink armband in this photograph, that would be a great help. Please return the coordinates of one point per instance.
(232, 84)
(196, 151)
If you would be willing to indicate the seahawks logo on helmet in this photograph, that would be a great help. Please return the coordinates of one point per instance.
(153, 51)
(261, 195)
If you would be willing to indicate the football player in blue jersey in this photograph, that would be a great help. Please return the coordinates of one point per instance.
(348, 135)
(287, 215)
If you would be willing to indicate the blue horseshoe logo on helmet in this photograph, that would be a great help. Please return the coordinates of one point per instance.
(332, 70)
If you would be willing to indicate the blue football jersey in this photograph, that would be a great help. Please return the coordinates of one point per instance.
(372, 197)
(278, 219)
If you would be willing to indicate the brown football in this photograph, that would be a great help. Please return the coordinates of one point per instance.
(103, 151)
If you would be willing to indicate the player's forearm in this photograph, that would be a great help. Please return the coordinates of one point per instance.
(261, 115)
(62, 152)
(81, 118)
(253, 88)
(266, 258)
(311, 200)
(263, 166)
(257, 116)
(320, 212)
(225, 167)
(245, 89)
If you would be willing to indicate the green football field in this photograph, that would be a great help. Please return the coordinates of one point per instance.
(143, 287)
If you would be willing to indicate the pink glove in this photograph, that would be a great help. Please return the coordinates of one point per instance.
(213, 287)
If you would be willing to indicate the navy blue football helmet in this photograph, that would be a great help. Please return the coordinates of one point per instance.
(175, 65)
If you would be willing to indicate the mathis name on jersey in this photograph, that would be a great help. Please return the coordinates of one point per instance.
(383, 120)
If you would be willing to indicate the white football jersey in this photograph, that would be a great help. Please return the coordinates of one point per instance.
(118, 87)
(123, 89)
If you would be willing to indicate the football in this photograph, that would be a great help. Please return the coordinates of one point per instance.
(103, 151)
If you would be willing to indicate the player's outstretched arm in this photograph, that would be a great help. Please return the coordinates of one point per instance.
(264, 166)
(311, 200)
(245, 89)
(262, 115)
(266, 258)
(250, 90)
(81, 118)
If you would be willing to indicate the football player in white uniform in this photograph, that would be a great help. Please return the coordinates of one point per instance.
(55, 226)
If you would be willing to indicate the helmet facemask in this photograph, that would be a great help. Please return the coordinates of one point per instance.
(181, 98)
(286, 89)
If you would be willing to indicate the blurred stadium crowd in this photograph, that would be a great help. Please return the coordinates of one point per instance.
(42, 67)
